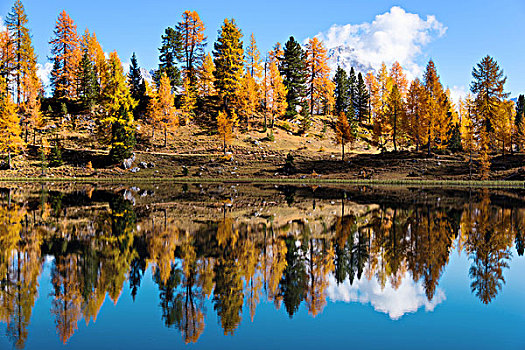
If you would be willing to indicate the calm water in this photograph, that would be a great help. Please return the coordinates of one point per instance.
(260, 267)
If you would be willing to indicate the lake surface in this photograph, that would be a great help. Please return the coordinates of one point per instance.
(233, 266)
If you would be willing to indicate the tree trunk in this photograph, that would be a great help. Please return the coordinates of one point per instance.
(395, 132)
(165, 136)
(342, 149)
(224, 144)
(470, 165)
(34, 136)
(9, 159)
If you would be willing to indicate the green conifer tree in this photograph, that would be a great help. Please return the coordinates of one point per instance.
(293, 71)
(341, 92)
(362, 99)
(169, 52)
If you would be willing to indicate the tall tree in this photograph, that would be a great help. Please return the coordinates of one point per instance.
(191, 32)
(488, 87)
(275, 98)
(118, 121)
(10, 140)
(248, 98)
(396, 113)
(137, 85)
(345, 132)
(342, 91)
(188, 101)
(135, 79)
(293, 70)
(317, 71)
(97, 57)
(66, 54)
(87, 86)
(253, 59)
(362, 99)
(417, 113)
(168, 118)
(170, 50)
(519, 122)
(352, 86)
(7, 56)
(399, 78)
(229, 60)
(24, 58)
(438, 107)
(206, 77)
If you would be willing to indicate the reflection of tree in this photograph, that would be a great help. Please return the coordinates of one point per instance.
(430, 242)
(20, 267)
(294, 281)
(489, 249)
(320, 263)
(67, 299)
(99, 240)
(228, 294)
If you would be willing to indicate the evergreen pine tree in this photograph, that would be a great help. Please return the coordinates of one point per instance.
(294, 77)
(341, 92)
(362, 98)
(88, 89)
(352, 87)
(169, 52)
(137, 86)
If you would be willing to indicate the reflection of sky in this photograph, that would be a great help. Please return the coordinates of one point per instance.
(460, 322)
(408, 298)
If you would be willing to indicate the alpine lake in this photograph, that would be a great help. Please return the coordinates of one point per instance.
(247, 266)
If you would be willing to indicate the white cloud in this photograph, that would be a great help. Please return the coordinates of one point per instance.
(408, 298)
(44, 73)
(457, 92)
(393, 36)
(2, 26)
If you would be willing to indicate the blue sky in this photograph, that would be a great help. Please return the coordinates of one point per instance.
(474, 28)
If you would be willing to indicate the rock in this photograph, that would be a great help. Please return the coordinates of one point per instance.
(127, 163)
(135, 170)
(143, 165)
(151, 165)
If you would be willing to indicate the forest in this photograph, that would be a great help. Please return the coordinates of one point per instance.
(268, 110)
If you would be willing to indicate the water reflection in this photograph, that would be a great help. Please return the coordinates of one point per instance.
(240, 245)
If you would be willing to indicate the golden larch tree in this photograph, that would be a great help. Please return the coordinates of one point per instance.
(188, 101)
(253, 59)
(229, 63)
(344, 132)
(24, 58)
(399, 78)
(168, 117)
(206, 85)
(191, 31)
(225, 128)
(10, 140)
(275, 97)
(317, 72)
(66, 54)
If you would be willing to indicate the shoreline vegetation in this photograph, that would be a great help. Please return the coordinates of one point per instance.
(295, 181)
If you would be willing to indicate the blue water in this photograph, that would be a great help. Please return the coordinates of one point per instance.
(459, 321)
(361, 314)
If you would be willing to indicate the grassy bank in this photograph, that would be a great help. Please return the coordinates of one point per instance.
(296, 181)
